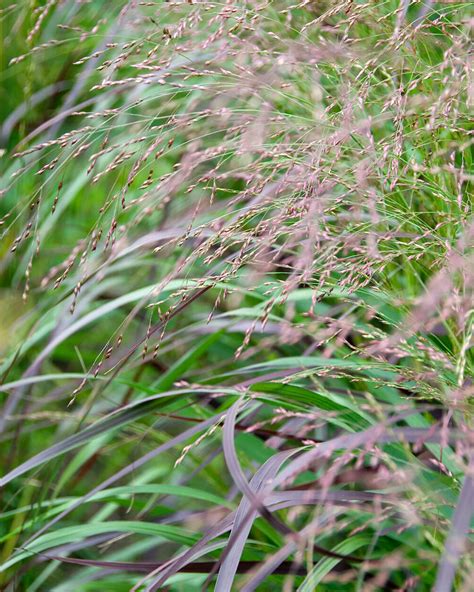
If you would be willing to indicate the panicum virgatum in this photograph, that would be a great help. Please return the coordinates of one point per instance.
(236, 295)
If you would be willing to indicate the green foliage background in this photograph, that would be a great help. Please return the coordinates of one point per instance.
(232, 230)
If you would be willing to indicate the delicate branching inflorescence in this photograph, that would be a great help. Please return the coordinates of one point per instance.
(238, 276)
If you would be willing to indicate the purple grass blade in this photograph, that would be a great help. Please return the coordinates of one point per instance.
(133, 466)
(272, 563)
(237, 474)
(176, 565)
(115, 419)
(456, 541)
(244, 519)
(308, 497)
(143, 566)
(275, 501)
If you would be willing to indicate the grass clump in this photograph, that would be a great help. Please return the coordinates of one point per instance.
(236, 296)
